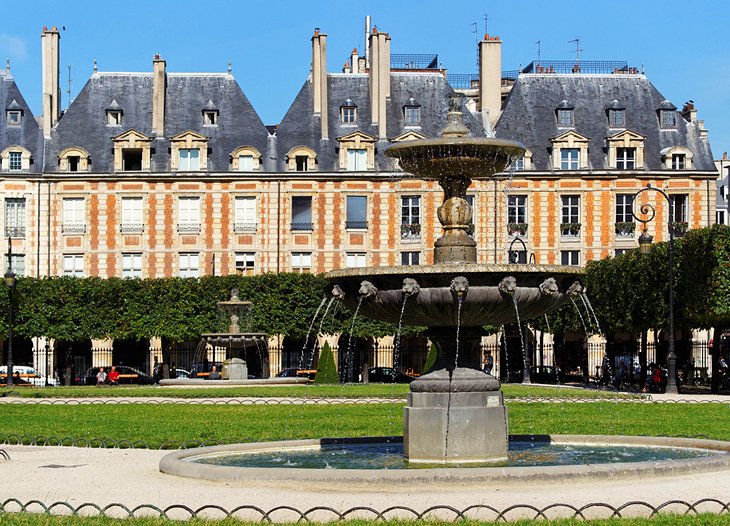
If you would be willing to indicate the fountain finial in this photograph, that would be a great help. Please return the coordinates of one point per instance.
(455, 126)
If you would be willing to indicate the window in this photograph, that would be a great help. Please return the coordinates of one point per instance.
(132, 159)
(410, 217)
(73, 163)
(210, 118)
(301, 262)
(470, 201)
(17, 264)
(245, 215)
(15, 161)
(518, 256)
(355, 259)
(188, 220)
(356, 216)
(678, 208)
(348, 113)
(410, 258)
(301, 162)
(245, 163)
(570, 257)
(668, 118)
(569, 158)
(625, 226)
(245, 262)
(133, 151)
(720, 217)
(73, 265)
(679, 161)
(412, 115)
(301, 159)
(73, 216)
(189, 159)
(132, 215)
(616, 118)
(518, 165)
(113, 117)
(301, 208)
(625, 158)
(189, 265)
(14, 117)
(131, 265)
(15, 217)
(356, 160)
(570, 216)
(565, 118)
(517, 215)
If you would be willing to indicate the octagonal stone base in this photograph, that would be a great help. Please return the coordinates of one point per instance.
(234, 369)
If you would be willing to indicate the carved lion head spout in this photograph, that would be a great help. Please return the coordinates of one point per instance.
(367, 290)
(575, 289)
(508, 285)
(338, 293)
(410, 287)
(459, 286)
(548, 287)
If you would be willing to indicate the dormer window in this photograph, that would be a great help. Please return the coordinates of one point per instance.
(348, 113)
(565, 115)
(14, 117)
(15, 159)
(210, 117)
(677, 158)
(679, 161)
(616, 115)
(113, 117)
(412, 113)
(667, 115)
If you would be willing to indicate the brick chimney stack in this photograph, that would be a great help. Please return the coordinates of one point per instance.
(159, 83)
(319, 81)
(50, 41)
(490, 80)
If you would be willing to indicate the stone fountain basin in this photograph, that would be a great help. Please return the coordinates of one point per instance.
(436, 306)
(182, 463)
(236, 340)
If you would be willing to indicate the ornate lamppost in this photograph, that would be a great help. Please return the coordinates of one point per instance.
(645, 246)
(10, 283)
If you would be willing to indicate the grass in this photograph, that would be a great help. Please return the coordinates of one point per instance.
(22, 519)
(160, 424)
(396, 391)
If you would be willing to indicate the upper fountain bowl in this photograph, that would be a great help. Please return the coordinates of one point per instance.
(470, 157)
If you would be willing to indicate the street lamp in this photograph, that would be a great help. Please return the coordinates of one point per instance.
(644, 247)
(514, 257)
(10, 283)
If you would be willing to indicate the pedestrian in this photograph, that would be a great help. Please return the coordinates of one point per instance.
(488, 362)
(214, 374)
(156, 372)
(113, 376)
(101, 377)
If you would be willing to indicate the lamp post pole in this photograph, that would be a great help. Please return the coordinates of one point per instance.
(644, 245)
(10, 282)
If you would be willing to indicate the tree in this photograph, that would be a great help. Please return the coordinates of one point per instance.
(326, 370)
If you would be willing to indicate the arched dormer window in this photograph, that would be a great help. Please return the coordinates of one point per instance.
(667, 115)
(301, 159)
(523, 163)
(677, 158)
(565, 114)
(245, 159)
(412, 113)
(348, 113)
(15, 158)
(616, 113)
(74, 159)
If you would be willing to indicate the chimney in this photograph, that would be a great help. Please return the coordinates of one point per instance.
(490, 80)
(689, 112)
(379, 76)
(159, 83)
(355, 61)
(319, 80)
(50, 39)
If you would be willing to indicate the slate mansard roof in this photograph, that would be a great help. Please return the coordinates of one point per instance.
(300, 127)
(85, 122)
(28, 134)
(529, 117)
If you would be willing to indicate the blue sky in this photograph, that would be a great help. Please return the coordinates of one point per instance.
(684, 46)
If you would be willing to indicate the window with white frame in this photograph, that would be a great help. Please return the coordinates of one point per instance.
(301, 262)
(570, 215)
(73, 265)
(245, 262)
(518, 165)
(14, 117)
(132, 215)
(356, 159)
(679, 161)
(625, 158)
(625, 226)
(355, 259)
(210, 117)
(412, 115)
(410, 258)
(15, 161)
(17, 264)
(113, 117)
(678, 208)
(15, 217)
(301, 206)
(348, 114)
(668, 118)
(410, 217)
(188, 219)
(189, 159)
(517, 215)
(720, 217)
(569, 158)
(356, 213)
(616, 118)
(245, 163)
(131, 265)
(245, 214)
(570, 257)
(188, 265)
(565, 118)
(73, 215)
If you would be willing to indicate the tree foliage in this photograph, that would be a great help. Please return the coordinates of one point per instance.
(326, 370)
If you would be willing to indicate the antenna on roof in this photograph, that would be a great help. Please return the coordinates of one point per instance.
(576, 68)
(68, 91)
(476, 40)
(230, 67)
(538, 51)
(486, 23)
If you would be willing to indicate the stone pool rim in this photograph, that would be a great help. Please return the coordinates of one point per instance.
(179, 463)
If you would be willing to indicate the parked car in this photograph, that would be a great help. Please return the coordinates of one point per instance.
(292, 372)
(181, 373)
(27, 375)
(388, 375)
(127, 375)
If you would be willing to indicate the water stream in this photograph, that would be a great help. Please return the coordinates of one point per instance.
(347, 362)
(309, 332)
(525, 371)
(589, 308)
(503, 343)
(582, 321)
(319, 331)
(396, 347)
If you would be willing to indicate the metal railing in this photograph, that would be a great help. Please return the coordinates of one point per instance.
(301, 227)
(463, 80)
(582, 66)
(15, 231)
(414, 61)
(131, 228)
(244, 226)
(356, 225)
(188, 228)
(73, 228)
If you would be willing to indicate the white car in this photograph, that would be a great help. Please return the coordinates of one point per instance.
(27, 375)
